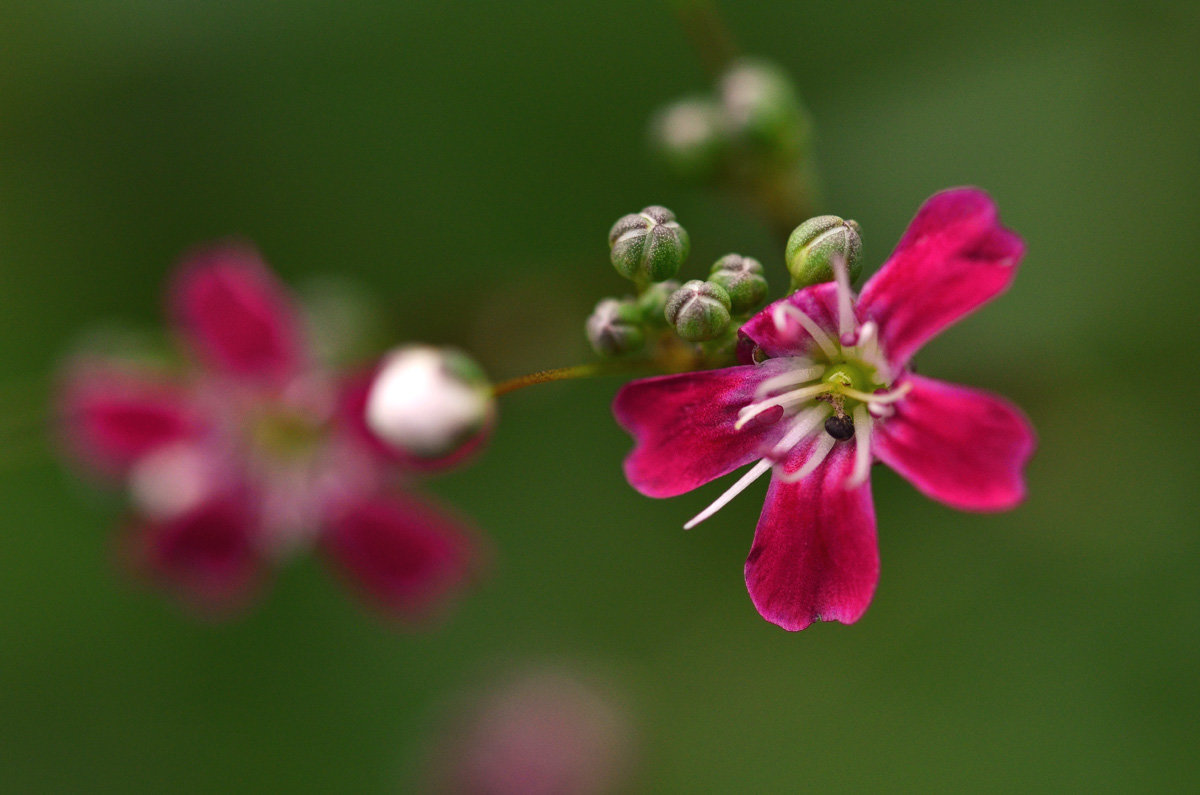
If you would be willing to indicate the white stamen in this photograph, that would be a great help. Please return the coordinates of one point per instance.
(870, 352)
(752, 474)
(882, 369)
(804, 424)
(881, 410)
(846, 320)
(821, 449)
(783, 311)
(798, 376)
(862, 448)
(879, 398)
(867, 339)
(747, 413)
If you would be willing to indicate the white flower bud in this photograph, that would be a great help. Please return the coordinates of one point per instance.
(429, 402)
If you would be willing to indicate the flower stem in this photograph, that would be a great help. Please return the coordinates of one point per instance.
(708, 33)
(612, 367)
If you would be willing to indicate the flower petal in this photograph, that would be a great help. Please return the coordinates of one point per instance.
(954, 257)
(237, 316)
(208, 555)
(788, 337)
(684, 427)
(964, 447)
(400, 553)
(111, 414)
(815, 556)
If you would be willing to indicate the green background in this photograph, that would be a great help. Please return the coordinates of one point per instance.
(464, 162)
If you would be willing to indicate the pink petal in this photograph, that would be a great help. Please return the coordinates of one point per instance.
(237, 316)
(352, 419)
(964, 447)
(400, 553)
(112, 414)
(819, 302)
(208, 555)
(814, 556)
(954, 257)
(684, 427)
(960, 212)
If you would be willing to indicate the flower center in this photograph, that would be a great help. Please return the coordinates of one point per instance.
(286, 435)
(834, 393)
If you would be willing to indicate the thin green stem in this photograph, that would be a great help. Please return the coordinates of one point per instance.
(593, 370)
(708, 33)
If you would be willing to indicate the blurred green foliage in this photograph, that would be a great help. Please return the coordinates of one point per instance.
(465, 161)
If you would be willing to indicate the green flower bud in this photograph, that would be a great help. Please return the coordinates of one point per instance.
(698, 310)
(813, 245)
(742, 278)
(690, 136)
(653, 302)
(762, 109)
(648, 246)
(614, 327)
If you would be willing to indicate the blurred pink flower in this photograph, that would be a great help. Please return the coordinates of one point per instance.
(255, 449)
(542, 732)
(823, 367)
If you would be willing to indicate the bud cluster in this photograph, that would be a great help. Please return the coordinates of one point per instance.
(649, 248)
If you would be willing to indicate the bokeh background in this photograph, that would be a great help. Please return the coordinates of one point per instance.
(463, 161)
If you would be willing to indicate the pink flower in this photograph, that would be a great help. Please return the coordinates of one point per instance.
(253, 450)
(542, 731)
(824, 391)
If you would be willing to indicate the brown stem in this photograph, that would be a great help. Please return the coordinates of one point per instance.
(709, 34)
(592, 370)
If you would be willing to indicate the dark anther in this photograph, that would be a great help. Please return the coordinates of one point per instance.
(840, 428)
(758, 355)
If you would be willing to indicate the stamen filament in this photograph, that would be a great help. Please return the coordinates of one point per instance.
(819, 450)
(868, 337)
(789, 378)
(819, 336)
(752, 474)
(880, 410)
(804, 424)
(846, 319)
(877, 399)
(747, 413)
(862, 448)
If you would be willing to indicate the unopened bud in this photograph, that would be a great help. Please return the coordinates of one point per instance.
(429, 402)
(690, 136)
(698, 310)
(648, 246)
(653, 302)
(762, 109)
(815, 244)
(742, 278)
(615, 327)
